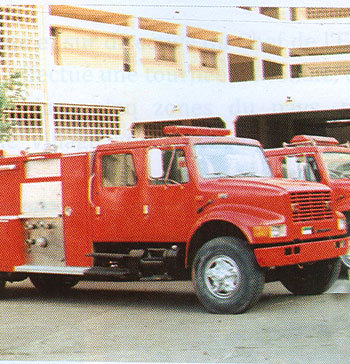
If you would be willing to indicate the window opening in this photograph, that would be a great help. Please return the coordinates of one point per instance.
(118, 170)
(301, 167)
(175, 169)
(208, 59)
(165, 52)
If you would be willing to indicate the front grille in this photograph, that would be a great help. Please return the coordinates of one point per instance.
(309, 206)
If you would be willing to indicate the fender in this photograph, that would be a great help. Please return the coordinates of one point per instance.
(244, 217)
(343, 205)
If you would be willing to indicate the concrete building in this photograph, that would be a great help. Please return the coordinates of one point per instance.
(105, 71)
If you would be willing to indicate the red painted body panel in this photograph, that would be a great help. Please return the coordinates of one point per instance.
(119, 215)
(76, 208)
(192, 130)
(10, 182)
(12, 235)
(12, 247)
(339, 187)
(300, 253)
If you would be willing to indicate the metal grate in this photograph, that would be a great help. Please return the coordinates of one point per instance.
(20, 43)
(85, 122)
(328, 69)
(327, 13)
(27, 120)
(308, 206)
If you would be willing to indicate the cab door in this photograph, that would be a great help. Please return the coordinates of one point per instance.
(116, 195)
(303, 167)
(168, 199)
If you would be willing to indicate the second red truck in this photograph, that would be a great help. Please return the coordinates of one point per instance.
(320, 159)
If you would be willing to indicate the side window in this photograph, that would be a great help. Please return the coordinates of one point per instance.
(173, 167)
(300, 167)
(118, 170)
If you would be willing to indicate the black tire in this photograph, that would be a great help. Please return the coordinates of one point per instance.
(226, 276)
(2, 284)
(346, 258)
(311, 279)
(52, 284)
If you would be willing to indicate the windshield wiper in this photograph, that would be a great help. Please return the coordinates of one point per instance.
(219, 174)
(245, 174)
(225, 175)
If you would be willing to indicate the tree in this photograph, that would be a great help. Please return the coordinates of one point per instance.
(11, 91)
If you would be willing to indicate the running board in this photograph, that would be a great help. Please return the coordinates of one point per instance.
(73, 271)
(88, 272)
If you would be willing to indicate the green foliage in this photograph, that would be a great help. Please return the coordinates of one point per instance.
(11, 91)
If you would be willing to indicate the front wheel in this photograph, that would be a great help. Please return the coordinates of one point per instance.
(311, 279)
(226, 276)
(346, 260)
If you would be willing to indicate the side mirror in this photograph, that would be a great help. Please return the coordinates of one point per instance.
(155, 163)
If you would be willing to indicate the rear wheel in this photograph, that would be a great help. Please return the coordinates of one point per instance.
(226, 276)
(311, 279)
(50, 284)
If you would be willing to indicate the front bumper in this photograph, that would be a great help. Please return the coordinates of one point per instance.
(301, 252)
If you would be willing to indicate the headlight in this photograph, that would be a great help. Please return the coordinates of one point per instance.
(273, 231)
(341, 223)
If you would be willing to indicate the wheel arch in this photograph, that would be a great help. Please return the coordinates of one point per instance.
(210, 230)
(346, 212)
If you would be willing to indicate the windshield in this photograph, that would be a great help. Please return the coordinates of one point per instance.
(338, 164)
(231, 160)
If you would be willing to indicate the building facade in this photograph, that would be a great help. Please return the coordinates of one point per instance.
(93, 72)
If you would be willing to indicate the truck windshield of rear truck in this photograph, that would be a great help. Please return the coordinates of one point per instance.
(338, 164)
(231, 160)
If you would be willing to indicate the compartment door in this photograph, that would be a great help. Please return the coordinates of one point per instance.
(76, 209)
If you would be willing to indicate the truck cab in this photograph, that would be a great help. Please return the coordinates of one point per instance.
(195, 205)
(320, 159)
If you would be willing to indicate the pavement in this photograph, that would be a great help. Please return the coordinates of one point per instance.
(340, 286)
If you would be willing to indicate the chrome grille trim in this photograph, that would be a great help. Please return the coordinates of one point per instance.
(308, 206)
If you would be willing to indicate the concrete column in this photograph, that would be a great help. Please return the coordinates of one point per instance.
(184, 52)
(136, 47)
(125, 124)
(47, 64)
(258, 65)
(286, 71)
(284, 14)
(300, 14)
(223, 62)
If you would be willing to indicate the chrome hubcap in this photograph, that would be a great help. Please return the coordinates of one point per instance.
(346, 260)
(222, 276)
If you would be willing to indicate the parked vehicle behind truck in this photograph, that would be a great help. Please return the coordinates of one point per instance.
(321, 159)
(195, 204)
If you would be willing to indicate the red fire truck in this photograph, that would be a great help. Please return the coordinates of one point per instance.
(195, 204)
(321, 159)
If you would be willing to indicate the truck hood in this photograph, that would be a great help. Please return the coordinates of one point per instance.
(275, 185)
(273, 195)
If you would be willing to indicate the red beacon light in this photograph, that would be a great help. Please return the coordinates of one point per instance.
(195, 131)
(314, 140)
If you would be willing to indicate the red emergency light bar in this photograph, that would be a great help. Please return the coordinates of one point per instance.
(314, 139)
(195, 131)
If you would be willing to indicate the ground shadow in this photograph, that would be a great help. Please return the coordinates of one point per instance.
(157, 295)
